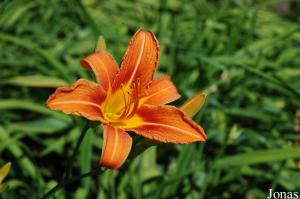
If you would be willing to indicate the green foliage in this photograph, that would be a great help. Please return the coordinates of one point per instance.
(244, 54)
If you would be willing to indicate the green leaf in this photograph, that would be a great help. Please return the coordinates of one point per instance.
(30, 106)
(40, 126)
(257, 157)
(36, 81)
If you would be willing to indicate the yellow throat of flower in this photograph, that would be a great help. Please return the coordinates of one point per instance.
(120, 106)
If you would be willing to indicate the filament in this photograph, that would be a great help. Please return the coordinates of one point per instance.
(132, 101)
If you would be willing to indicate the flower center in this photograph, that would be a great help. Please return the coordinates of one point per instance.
(122, 104)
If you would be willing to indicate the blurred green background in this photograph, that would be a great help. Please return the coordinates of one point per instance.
(245, 54)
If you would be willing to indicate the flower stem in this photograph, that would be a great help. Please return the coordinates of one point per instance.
(64, 182)
(68, 173)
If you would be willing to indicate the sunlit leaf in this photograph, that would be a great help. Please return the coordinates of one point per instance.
(4, 171)
(3, 187)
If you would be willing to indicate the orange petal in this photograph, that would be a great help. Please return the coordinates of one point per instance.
(193, 104)
(140, 60)
(116, 147)
(82, 98)
(104, 67)
(161, 91)
(167, 124)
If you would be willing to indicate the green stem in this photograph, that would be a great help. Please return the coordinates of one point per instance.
(64, 182)
(67, 175)
(214, 171)
(79, 141)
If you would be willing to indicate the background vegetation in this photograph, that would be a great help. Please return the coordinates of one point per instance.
(245, 54)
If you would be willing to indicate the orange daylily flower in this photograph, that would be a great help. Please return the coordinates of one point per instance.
(128, 99)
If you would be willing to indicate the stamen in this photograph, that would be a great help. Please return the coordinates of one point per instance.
(126, 104)
(131, 100)
(135, 96)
